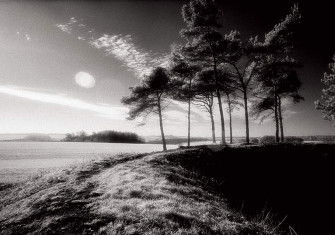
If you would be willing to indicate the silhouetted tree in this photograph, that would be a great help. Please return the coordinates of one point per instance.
(204, 98)
(289, 88)
(275, 69)
(232, 103)
(276, 79)
(327, 102)
(206, 101)
(149, 97)
(241, 60)
(210, 84)
(184, 72)
(205, 44)
(243, 56)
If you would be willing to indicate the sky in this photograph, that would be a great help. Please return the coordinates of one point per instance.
(65, 65)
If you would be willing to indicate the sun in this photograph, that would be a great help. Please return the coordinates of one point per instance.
(84, 80)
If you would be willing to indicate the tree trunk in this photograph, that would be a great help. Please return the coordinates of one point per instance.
(282, 138)
(246, 114)
(276, 119)
(213, 124)
(161, 124)
(230, 119)
(223, 134)
(189, 123)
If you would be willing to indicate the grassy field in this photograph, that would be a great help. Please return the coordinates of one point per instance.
(240, 190)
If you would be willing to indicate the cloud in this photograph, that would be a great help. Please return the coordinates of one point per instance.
(85, 80)
(67, 27)
(197, 114)
(121, 47)
(134, 58)
(108, 111)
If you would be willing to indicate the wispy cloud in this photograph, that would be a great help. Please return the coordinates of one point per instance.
(108, 111)
(67, 27)
(122, 47)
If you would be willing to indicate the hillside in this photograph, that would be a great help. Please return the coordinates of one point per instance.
(127, 194)
(33, 138)
(200, 190)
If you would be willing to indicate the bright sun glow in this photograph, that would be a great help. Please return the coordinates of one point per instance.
(85, 80)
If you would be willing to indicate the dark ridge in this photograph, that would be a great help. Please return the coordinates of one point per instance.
(287, 182)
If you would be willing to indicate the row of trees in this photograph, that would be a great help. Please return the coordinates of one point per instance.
(211, 65)
(104, 137)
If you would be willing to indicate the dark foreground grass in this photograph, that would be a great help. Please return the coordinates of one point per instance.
(290, 185)
(125, 194)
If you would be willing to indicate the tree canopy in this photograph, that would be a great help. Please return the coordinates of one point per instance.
(327, 102)
(149, 97)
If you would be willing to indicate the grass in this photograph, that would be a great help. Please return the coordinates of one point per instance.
(125, 194)
(274, 189)
(286, 187)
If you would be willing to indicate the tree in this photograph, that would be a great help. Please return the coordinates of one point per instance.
(204, 97)
(206, 101)
(288, 88)
(205, 44)
(277, 79)
(279, 42)
(150, 97)
(232, 103)
(210, 84)
(327, 102)
(184, 73)
(243, 56)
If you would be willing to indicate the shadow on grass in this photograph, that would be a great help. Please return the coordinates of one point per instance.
(288, 181)
(68, 210)
(6, 186)
(186, 222)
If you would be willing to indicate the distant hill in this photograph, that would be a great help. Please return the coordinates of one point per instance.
(34, 138)
(38, 137)
(22, 136)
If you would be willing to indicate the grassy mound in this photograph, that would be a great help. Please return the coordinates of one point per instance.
(290, 184)
(125, 194)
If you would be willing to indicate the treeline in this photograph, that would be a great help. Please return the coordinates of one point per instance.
(105, 137)
(212, 68)
(322, 138)
(178, 140)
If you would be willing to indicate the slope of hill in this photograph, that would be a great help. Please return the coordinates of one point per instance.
(125, 194)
